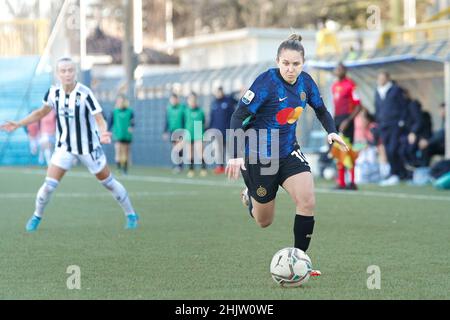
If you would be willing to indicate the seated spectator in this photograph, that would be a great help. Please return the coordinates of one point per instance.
(418, 126)
(435, 145)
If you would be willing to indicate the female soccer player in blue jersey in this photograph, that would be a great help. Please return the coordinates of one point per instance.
(270, 108)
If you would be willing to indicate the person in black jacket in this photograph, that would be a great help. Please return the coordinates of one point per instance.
(435, 145)
(391, 113)
(222, 108)
(418, 126)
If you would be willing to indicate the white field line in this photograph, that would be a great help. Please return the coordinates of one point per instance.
(100, 195)
(205, 182)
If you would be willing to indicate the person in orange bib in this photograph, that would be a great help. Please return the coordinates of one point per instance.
(346, 107)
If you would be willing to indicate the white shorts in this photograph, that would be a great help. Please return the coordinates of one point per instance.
(95, 162)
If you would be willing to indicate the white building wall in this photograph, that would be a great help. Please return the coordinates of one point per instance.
(249, 46)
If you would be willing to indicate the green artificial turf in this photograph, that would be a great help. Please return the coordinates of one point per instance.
(196, 240)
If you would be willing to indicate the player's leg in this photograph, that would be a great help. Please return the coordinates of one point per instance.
(177, 147)
(60, 163)
(126, 156)
(263, 212)
(259, 194)
(301, 189)
(191, 151)
(96, 164)
(219, 147)
(41, 154)
(296, 179)
(389, 137)
(122, 157)
(198, 146)
(180, 147)
(47, 147)
(117, 155)
(340, 178)
(349, 132)
(120, 194)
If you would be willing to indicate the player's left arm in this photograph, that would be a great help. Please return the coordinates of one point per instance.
(95, 109)
(314, 99)
(105, 136)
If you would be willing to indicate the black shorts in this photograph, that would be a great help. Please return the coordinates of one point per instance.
(124, 141)
(263, 188)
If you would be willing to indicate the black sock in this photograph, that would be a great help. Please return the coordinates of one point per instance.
(303, 229)
(125, 167)
(118, 165)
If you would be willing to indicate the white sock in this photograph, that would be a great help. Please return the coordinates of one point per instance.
(119, 193)
(44, 194)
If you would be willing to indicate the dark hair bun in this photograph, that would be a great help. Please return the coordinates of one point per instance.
(295, 37)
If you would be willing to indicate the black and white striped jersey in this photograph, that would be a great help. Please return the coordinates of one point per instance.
(76, 129)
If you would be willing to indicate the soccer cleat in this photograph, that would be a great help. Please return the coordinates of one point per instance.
(315, 273)
(203, 173)
(339, 187)
(33, 223)
(245, 198)
(132, 221)
(190, 173)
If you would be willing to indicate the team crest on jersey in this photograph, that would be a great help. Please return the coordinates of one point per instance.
(248, 97)
(261, 191)
(303, 95)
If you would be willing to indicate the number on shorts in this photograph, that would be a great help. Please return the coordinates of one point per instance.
(299, 155)
(97, 153)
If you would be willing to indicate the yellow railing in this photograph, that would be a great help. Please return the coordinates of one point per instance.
(439, 15)
(432, 31)
(23, 37)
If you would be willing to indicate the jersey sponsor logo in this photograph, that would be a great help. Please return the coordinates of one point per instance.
(261, 191)
(69, 113)
(248, 97)
(289, 115)
(282, 99)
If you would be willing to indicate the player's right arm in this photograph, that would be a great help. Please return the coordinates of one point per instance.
(36, 115)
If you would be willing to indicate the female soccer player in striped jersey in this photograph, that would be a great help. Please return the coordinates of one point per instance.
(80, 131)
(271, 108)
